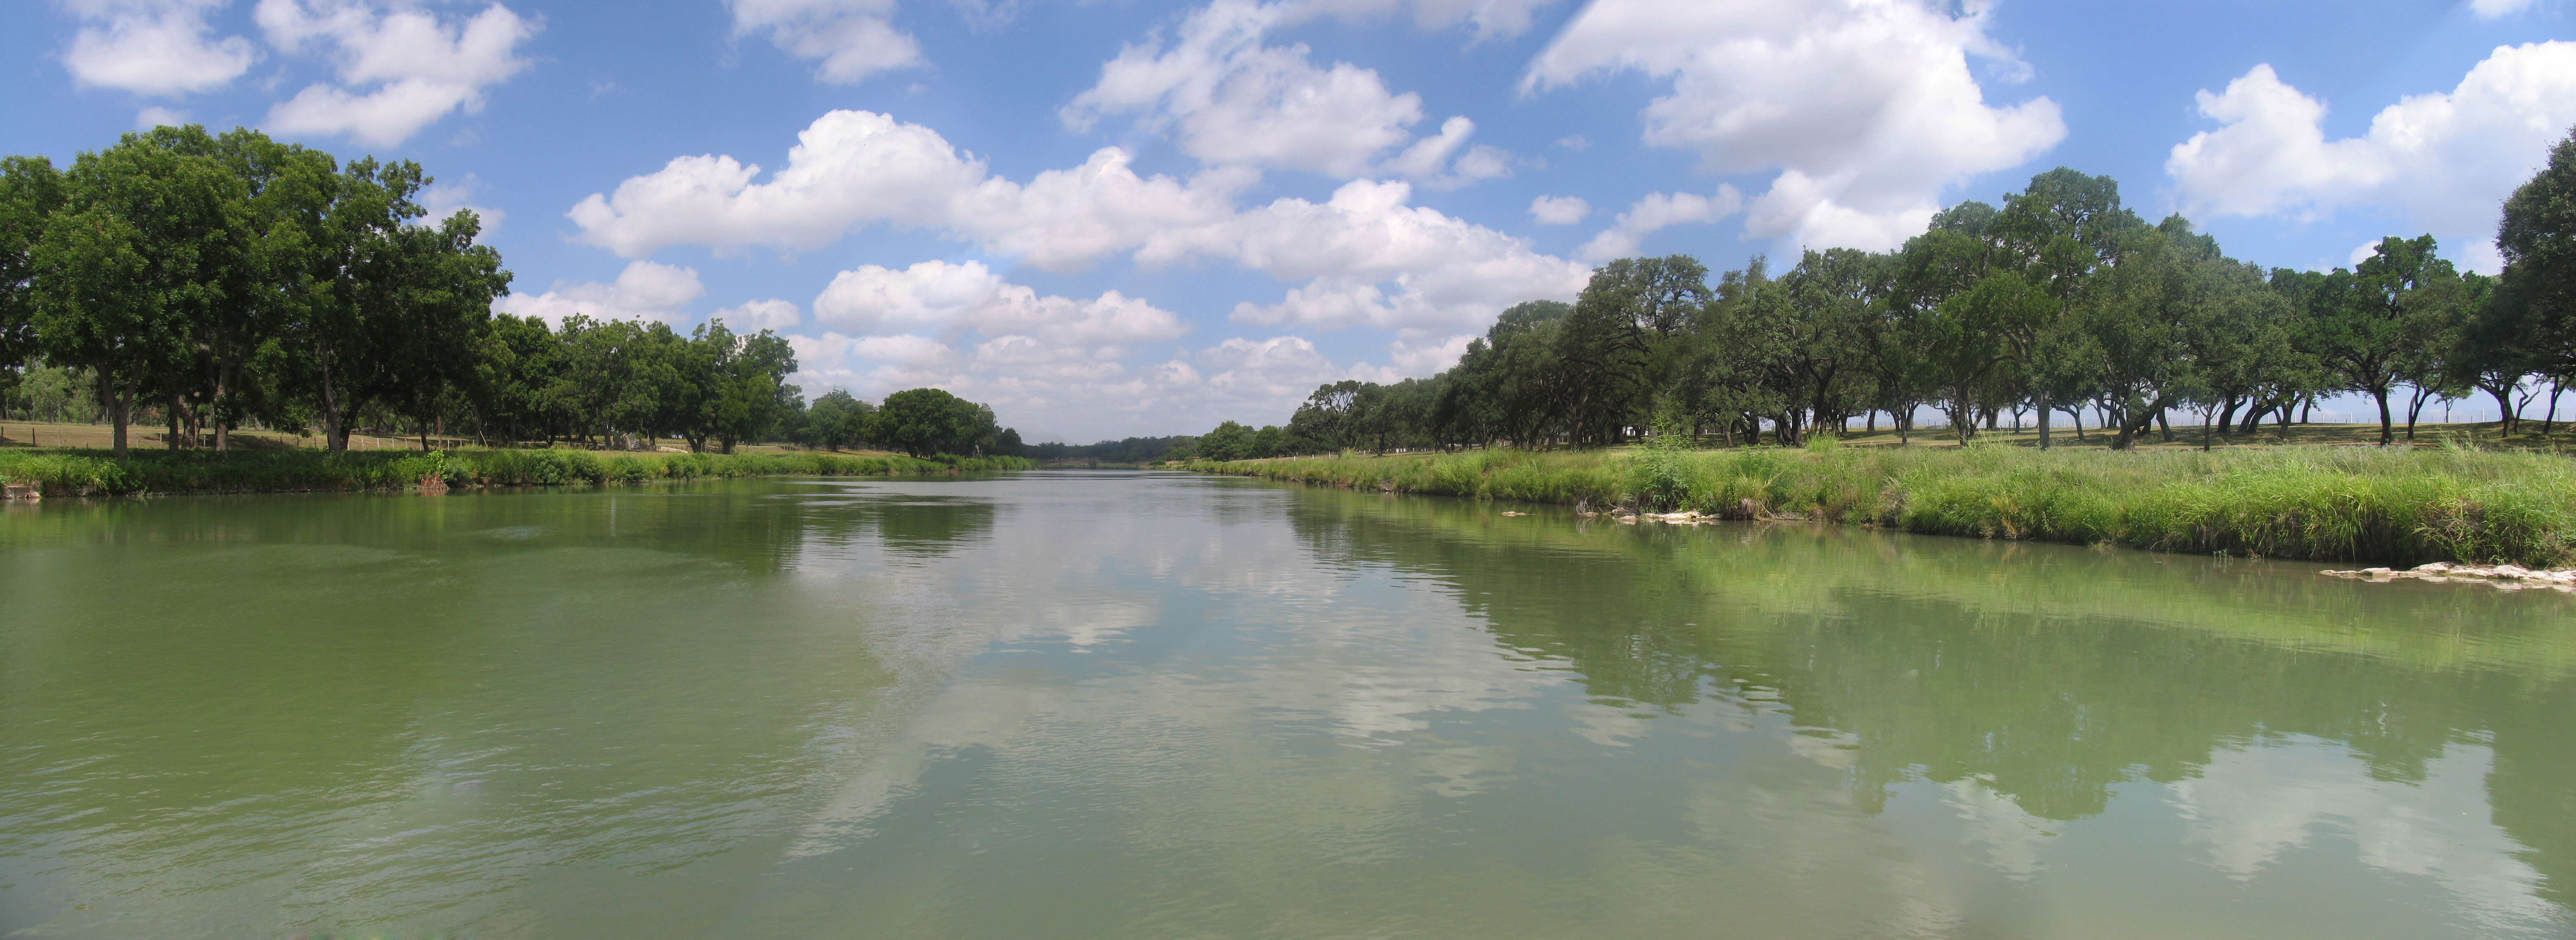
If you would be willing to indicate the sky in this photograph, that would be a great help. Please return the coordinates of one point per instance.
(1110, 218)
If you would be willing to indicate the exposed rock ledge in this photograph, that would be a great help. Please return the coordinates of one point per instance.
(2506, 577)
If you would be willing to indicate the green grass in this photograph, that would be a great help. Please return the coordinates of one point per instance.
(2342, 504)
(96, 473)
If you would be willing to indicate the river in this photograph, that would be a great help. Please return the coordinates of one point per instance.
(1076, 705)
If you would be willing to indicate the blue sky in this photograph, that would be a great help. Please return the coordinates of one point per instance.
(1111, 218)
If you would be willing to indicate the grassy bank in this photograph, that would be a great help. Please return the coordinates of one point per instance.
(95, 473)
(2343, 504)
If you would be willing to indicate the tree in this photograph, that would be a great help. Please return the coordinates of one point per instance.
(2059, 231)
(925, 422)
(2361, 326)
(838, 419)
(2530, 323)
(132, 262)
(1230, 441)
(30, 191)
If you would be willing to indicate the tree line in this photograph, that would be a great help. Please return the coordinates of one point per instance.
(232, 280)
(2059, 302)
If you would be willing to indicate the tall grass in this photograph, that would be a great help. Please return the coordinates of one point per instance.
(2344, 504)
(96, 473)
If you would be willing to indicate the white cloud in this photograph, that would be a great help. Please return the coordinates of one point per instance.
(157, 116)
(1656, 212)
(420, 69)
(852, 39)
(1559, 210)
(754, 316)
(1482, 162)
(2493, 9)
(2447, 160)
(1230, 100)
(1867, 107)
(1444, 271)
(1575, 142)
(1051, 391)
(1367, 255)
(443, 199)
(644, 291)
(851, 169)
(1488, 19)
(940, 296)
(155, 47)
(1424, 357)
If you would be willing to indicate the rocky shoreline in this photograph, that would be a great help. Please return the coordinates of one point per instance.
(2501, 577)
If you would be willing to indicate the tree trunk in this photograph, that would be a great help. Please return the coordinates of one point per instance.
(335, 438)
(2165, 422)
(170, 440)
(2044, 405)
(223, 436)
(111, 399)
(2550, 423)
(2205, 433)
(2387, 431)
(2504, 409)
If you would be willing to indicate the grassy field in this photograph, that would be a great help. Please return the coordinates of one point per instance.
(101, 437)
(2397, 506)
(93, 472)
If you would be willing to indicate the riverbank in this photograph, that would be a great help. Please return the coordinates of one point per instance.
(69, 472)
(2342, 504)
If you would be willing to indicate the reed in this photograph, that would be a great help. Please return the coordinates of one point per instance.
(2341, 504)
(96, 473)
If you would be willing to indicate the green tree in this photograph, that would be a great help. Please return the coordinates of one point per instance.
(2060, 231)
(30, 191)
(838, 419)
(2530, 323)
(133, 260)
(925, 422)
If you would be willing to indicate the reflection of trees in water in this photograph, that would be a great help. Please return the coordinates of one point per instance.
(392, 691)
(2050, 673)
(757, 525)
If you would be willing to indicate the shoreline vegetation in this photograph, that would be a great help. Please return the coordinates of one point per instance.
(2456, 504)
(82, 472)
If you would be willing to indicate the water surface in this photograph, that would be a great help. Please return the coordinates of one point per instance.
(1133, 705)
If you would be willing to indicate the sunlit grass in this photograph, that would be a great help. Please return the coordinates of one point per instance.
(2347, 504)
(97, 473)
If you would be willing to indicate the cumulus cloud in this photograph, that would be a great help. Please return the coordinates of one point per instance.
(155, 47)
(1050, 393)
(1488, 19)
(1423, 357)
(1367, 255)
(644, 291)
(2492, 9)
(400, 68)
(443, 199)
(1654, 213)
(754, 316)
(157, 116)
(1370, 259)
(941, 296)
(1066, 367)
(851, 169)
(1229, 99)
(849, 39)
(2447, 160)
(1559, 210)
(1867, 108)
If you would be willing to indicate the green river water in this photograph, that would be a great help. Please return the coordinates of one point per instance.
(1149, 705)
